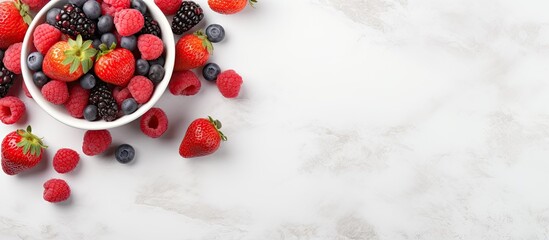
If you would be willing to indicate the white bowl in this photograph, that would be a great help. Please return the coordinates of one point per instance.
(58, 111)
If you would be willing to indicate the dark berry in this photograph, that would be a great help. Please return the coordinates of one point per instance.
(142, 67)
(151, 27)
(160, 61)
(90, 113)
(215, 33)
(129, 43)
(108, 39)
(79, 3)
(6, 80)
(1, 56)
(73, 21)
(129, 106)
(92, 9)
(40, 79)
(211, 71)
(156, 73)
(87, 81)
(101, 97)
(124, 153)
(139, 5)
(51, 15)
(188, 16)
(34, 61)
(105, 24)
(96, 43)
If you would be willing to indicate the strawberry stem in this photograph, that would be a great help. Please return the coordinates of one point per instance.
(30, 142)
(79, 54)
(217, 124)
(252, 2)
(205, 42)
(23, 11)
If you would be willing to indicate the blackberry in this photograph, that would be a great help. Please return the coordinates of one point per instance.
(101, 97)
(151, 27)
(188, 16)
(6, 80)
(73, 21)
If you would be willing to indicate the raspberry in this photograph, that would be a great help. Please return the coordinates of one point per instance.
(107, 9)
(45, 36)
(78, 100)
(26, 90)
(11, 110)
(128, 22)
(118, 3)
(184, 83)
(229, 83)
(65, 160)
(96, 142)
(56, 190)
(12, 58)
(120, 95)
(35, 4)
(56, 92)
(154, 123)
(168, 7)
(150, 46)
(141, 89)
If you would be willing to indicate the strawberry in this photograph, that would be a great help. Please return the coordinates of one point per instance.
(192, 51)
(229, 6)
(202, 138)
(68, 60)
(14, 22)
(21, 150)
(115, 65)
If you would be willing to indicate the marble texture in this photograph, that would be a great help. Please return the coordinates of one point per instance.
(359, 119)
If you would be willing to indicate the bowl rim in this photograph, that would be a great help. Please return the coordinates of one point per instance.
(62, 115)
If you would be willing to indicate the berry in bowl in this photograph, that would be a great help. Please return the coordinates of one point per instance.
(96, 65)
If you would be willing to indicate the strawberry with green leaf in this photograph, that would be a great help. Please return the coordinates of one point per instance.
(14, 22)
(68, 60)
(192, 51)
(21, 150)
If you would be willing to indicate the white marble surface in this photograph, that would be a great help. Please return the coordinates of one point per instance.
(359, 119)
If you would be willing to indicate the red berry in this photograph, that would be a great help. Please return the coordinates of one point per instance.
(11, 110)
(118, 3)
(128, 22)
(78, 100)
(141, 89)
(184, 83)
(56, 92)
(107, 9)
(96, 142)
(229, 83)
(65, 160)
(26, 90)
(35, 4)
(154, 123)
(12, 58)
(14, 21)
(45, 36)
(56, 190)
(202, 138)
(168, 7)
(120, 95)
(150, 46)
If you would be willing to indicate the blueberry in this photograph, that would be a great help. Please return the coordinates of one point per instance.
(79, 3)
(142, 67)
(90, 113)
(129, 43)
(39, 79)
(124, 153)
(87, 81)
(139, 5)
(160, 61)
(215, 33)
(96, 43)
(105, 24)
(92, 9)
(51, 15)
(34, 61)
(156, 73)
(210, 72)
(109, 39)
(129, 106)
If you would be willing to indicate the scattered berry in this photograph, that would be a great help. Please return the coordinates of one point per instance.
(151, 27)
(121, 94)
(6, 80)
(141, 89)
(156, 73)
(229, 6)
(211, 71)
(118, 3)
(92, 9)
(141, 67)
(34, 61)
(168, 7)
(45, 36)
(96, 43)
(52, 15)
(129, 106)
(26, 90)
(12, 58)
(150, 46)
(128, 22)
(108, 39)
(188, 15)
(102, 98)
(73, 21)
(87, 81)
(96, 142)
(192, 51)
(39, 79)
(129, 43)
(107, 9)
(215, 33)
(65, 160)
(11, 110)
(160, 61)
(124, 153)
(35, 4)
(79, 3)
(90, 113)
(154, 123)
(202, 138)
(21, 150)
(78, 100)
(229, 83)
(184, 83)
(56, 190)
(77, 52)
(115, 66)
(105, 24)
(139, 5)
(14, 22)
(1, 55)
(56, 92)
